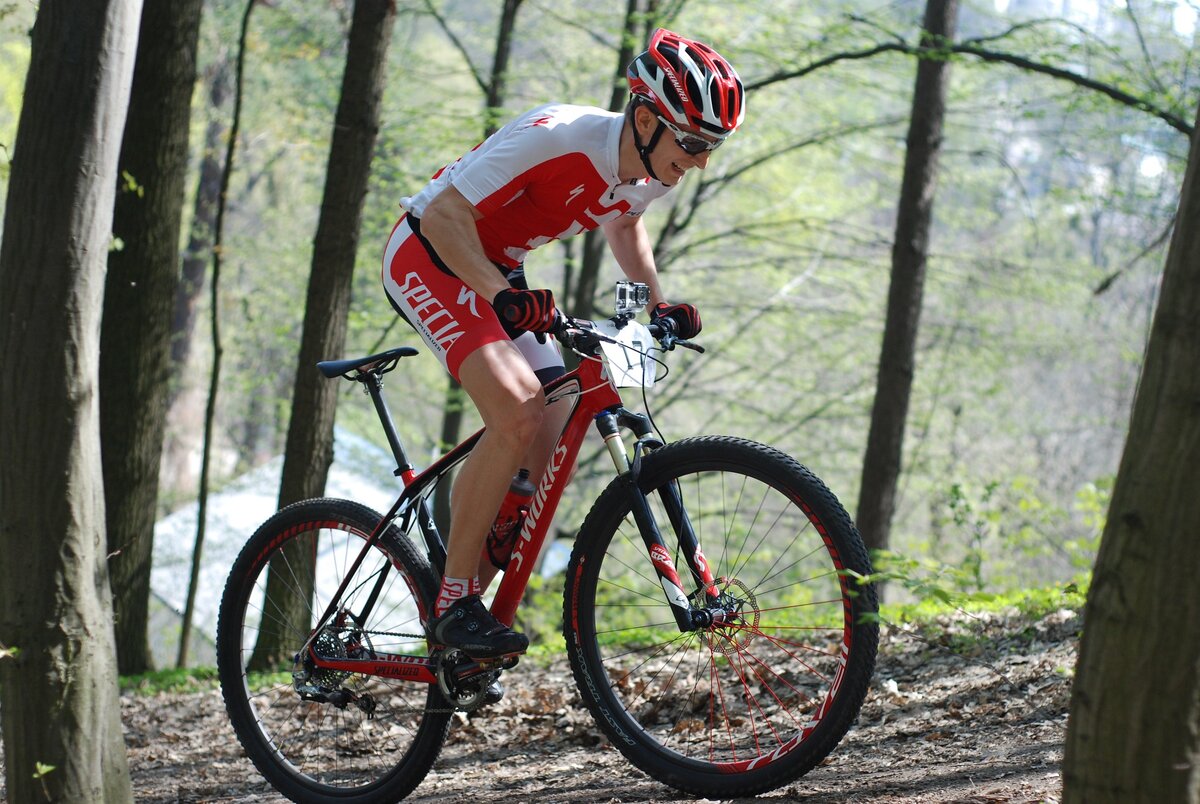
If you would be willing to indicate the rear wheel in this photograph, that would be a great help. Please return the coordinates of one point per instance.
(764, 693)
(319, 735)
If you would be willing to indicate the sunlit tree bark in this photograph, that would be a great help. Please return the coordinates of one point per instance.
(59, 694)
(1135, 703)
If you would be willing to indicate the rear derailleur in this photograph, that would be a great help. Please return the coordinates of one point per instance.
(320, 685)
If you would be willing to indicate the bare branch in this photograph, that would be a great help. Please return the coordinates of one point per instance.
(1156, 244)
(454, 40)
(969, 48)
(1137, 29)
(852, 55)
(570, 20)
(1141, 104)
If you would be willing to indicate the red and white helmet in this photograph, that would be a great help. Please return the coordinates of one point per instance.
(689, 83)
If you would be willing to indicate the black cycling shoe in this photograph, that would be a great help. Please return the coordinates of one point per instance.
(468, 626)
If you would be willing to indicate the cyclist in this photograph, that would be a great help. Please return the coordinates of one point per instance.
(453, 269)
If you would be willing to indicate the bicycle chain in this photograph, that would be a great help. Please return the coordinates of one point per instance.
(434, 710)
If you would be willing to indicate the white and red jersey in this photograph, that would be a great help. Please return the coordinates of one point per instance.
(549, 174)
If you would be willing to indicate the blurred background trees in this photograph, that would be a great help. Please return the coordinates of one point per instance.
(1054, 205)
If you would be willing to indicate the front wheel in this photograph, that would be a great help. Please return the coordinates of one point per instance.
(320, 735)
(769, 687)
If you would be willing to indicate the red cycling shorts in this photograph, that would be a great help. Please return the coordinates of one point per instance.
(449, 316)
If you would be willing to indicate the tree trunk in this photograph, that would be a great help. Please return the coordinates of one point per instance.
(309, 450)
(583, 300)
(214, 379)
(59, 695)
(204, 215)
(185, 400)
(885, 442)
(138, 299)
(1135, 704)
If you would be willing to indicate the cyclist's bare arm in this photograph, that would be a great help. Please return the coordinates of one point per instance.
(630, 245)
(449, 225)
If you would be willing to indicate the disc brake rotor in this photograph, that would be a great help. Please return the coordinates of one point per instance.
(739, 625)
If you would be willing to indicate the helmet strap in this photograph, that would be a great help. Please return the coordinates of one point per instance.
(644, 151)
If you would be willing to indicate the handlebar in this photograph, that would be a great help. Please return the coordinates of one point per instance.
(664, 332)
(577, 334)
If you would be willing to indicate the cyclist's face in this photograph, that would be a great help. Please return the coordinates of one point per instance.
(669, 160)
(676, 160)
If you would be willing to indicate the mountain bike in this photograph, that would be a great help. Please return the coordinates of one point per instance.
(716, 615)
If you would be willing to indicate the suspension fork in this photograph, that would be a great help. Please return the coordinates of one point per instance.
(687, 616)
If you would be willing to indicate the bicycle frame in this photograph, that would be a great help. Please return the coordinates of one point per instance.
(595, 398)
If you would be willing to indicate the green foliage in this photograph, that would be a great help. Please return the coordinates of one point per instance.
(930, 588)
(1047, 194)
(1091, 502)
(191, 679)
(129, 184)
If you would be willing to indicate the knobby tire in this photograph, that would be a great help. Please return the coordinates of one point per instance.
(321, 751)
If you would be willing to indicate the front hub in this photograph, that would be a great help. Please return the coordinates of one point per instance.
(729, 622)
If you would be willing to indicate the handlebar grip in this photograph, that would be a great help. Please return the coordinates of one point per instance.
(662, 328)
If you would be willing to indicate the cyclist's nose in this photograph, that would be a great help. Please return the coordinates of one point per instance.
(700, 160)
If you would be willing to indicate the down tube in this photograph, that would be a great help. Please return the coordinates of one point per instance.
(541, 514)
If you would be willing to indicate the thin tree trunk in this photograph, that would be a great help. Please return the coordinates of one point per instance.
(184, 405)
(210, 414)
(314, 400)
(1135, 703)
(885, 442)
(59, 694)
(204, 215)
(138, 299)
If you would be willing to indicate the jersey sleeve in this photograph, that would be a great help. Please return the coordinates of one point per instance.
(504, 164)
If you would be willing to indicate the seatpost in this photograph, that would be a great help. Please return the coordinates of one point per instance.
(374, 385)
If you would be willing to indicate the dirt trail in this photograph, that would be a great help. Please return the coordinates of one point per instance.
(983, 724)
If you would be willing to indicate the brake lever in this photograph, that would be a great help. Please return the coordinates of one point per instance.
(669, 341)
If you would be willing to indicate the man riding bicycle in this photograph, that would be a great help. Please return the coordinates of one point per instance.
(453, 267)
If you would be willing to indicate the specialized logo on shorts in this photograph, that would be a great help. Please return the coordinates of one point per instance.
(466, 298)
(439, 323)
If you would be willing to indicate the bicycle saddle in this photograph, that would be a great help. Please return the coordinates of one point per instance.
(340, 368)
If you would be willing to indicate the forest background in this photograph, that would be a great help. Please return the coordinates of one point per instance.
(1053, 212)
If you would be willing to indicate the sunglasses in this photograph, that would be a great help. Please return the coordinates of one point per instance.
(691, 144)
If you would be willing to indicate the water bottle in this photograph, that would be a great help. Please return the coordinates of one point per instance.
(509, 520)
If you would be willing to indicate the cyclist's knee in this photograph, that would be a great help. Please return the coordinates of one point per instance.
(525, 420)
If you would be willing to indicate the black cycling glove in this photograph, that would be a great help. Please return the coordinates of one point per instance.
(525, 310)
(685, 317)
